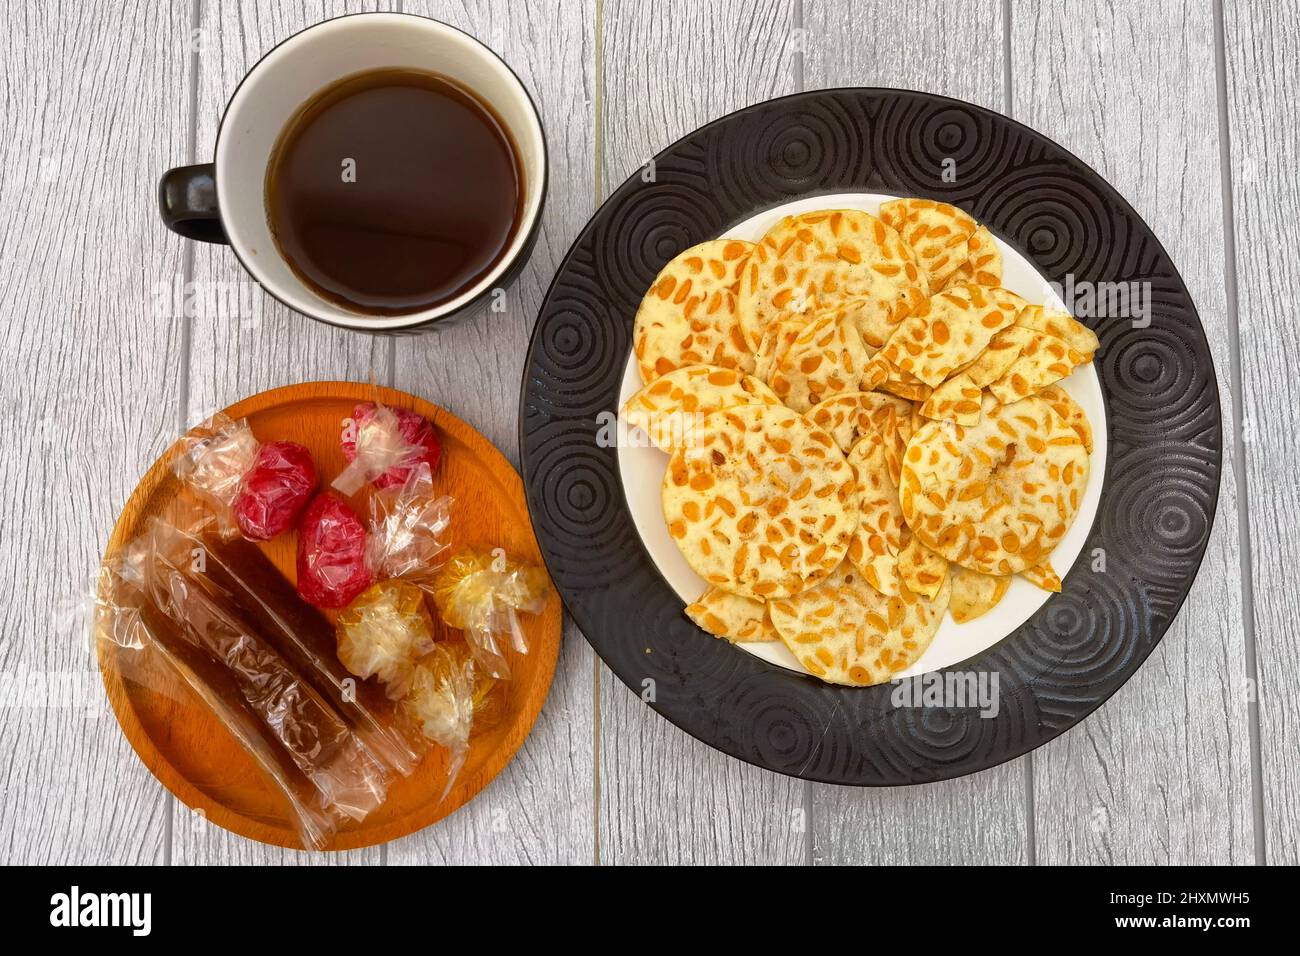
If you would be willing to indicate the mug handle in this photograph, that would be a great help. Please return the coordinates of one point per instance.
(187, 200)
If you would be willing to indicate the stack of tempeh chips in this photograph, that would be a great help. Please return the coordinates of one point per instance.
(864, 430)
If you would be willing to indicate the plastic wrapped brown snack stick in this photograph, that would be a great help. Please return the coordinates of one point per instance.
(306, 639)
(349, 779)
(132, 622)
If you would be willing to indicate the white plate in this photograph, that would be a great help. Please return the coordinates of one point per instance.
(643, 467)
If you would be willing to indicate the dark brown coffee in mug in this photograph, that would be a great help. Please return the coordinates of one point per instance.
(393, 191)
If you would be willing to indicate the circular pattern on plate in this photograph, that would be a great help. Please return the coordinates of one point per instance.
(1162, 415)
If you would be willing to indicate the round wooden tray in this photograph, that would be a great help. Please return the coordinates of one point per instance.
(190, 751)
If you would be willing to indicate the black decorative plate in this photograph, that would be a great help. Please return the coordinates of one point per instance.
(1160, 483)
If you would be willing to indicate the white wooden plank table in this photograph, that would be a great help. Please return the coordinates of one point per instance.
(1187, 107)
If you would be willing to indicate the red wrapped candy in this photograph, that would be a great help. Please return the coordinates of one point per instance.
(383, 444)
(338, 557)
(258, 490)
(332, 567)
(275, 490)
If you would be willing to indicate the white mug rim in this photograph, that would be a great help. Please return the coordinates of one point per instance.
(521, 243)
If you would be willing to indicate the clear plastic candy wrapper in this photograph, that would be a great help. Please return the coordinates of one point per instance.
(257, 490)
(387, 627)
(482, 593)
(383, 444)
(264, 662)
(409, 527)
(450, 699)
(383, 632)
(306, 639)
(339, 557)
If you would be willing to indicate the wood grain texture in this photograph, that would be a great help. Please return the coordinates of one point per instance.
(848, 47)
(1161, 774)
(103, 97)
(541, 808)
(91, 104)
(981, 818)
(668, 68)
(254, 343)
(1262, 48)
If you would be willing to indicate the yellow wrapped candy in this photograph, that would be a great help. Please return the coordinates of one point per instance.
(383, 632)
(450, 699)
(489, 696)
(433, 700)
(481, 594)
